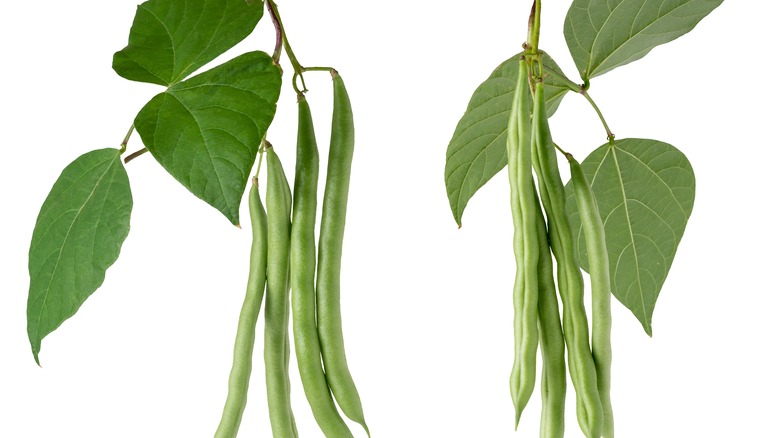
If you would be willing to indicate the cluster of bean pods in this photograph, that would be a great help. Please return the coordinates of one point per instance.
(286, 263)
(539, 229)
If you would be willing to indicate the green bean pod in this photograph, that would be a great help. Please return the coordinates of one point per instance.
(238, 382)
(598, 263)
(526, 244)
(303, 260)
(277, 303)
(553, 386)
(288, 204)
(575, 322)
(287, 360)
(334, 212)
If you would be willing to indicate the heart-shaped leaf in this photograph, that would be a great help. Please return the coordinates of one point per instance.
(605, 34)
(170, 39)
(645, 191)
(77, 237)
(477, 150)
(206, 130)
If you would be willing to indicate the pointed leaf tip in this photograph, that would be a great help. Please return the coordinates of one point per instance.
(77, 237)
(206, 130)
(645, 191)
(477, 150)
(169, 40)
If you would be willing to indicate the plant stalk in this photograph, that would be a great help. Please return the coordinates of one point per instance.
(610, 134)
(534, 27)
(282, 35)
(123, 145)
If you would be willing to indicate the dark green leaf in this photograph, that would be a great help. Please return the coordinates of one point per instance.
(645, 191)
(605, 34)
(78, 235)
(477, 150)
(206, 130)
(170, 39)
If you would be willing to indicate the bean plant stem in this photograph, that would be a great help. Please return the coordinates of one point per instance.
(135, 154)
(532, 56)
(259, 160)
(534, 26)
(610, 135)
(279, 36)
(330, 69)
(126, 139)
(297, 67)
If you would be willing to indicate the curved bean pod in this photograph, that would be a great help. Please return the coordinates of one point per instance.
(575, 322)
(288, 205)
(526, 244)
(238, 382)
(287, 367)
(277, 303)
(553, 386)
(598, 263)
(334, 211)
(303, 260)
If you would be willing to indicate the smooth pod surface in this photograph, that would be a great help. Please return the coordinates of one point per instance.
(334, 215)
(601, 291)
(277, 303)
(238, 382)
(303, 260)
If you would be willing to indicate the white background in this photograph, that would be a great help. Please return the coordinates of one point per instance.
(427, 307)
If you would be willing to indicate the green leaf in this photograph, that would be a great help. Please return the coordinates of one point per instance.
(605, 34)
(170, 39)
(556, 84)
(77, 236)
(206, 130)
(645, 191)
(477, 150)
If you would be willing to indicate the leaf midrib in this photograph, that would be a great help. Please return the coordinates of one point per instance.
(592, 72)
(170, 37)
(183, 73)
(631, 233)
(206, 147)
(651, 170)
(65, 239)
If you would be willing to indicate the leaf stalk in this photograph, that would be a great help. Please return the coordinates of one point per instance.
(282, 41)
(123, 145)
(610, 134)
